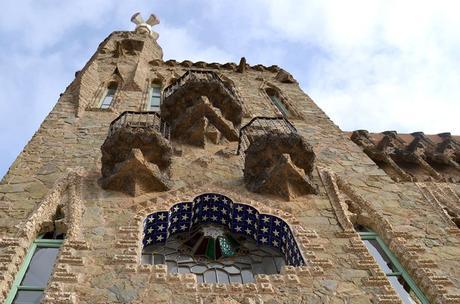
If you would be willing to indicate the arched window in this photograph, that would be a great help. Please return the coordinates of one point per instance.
(219, 241)
(107, 98)
(398, 277)
(154, 97)
(277, 101)
(36, 269)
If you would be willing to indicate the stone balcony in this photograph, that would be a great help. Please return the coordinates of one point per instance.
(200, 106)
(277, 160)
(136, 155)
(141, 121)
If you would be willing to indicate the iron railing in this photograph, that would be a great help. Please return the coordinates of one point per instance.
(144, 120)
(198, 76)
(262, 125)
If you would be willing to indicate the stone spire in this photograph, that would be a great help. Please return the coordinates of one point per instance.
(145, 27)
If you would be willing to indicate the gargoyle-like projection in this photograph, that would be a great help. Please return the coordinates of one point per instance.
(199, 106)
(412, 157)
(277, 160)
(136, 155)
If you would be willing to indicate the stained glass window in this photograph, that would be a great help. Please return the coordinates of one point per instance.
(398, 277)
(35, 271)
(214, 255)
(219, 240)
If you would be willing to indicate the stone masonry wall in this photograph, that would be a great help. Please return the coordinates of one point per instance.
(100, 262)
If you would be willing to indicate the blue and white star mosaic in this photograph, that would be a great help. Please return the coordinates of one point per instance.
(217, 209)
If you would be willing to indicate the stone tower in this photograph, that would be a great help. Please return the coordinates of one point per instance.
(157, 181)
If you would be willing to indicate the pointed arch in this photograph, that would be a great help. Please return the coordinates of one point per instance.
(279, 101)
(107, 93)
(59, 212)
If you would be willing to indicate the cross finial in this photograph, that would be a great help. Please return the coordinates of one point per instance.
(145, 27)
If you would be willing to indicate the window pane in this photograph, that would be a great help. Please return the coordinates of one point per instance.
(403, 289)
(53, 235)
(199, 278)
(154, 103)
(158, 259)
(172, 266)
(247, 276)
(379, 255)
(108, 98)
(279, 261)
(146, 258)
(184, 269)
(210, 276)
(222, 276)
(107, 102)
(279, 104)
(361, 228)
(236, 278)
(155, 98)
(199, 268)
(28, 297)
(111, 91)
(269, 266)
(40, 267)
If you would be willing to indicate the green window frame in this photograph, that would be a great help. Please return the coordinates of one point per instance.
(278, 102)
(17, 284)
(154, 101)
(395, 270)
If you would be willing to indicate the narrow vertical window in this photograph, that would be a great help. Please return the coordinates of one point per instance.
(398, 277)
(35, 271)
(107, 99)
(154, 98)
(276, 100)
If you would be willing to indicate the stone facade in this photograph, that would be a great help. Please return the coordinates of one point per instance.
(105, 197)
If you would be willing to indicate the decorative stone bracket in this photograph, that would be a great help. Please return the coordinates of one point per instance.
(418, 159)
(202, 121)
(136, 155)
(277, 159)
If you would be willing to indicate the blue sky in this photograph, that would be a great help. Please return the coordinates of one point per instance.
(376, 65)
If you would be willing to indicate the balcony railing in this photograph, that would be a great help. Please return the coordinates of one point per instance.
(141, 120)
(198, 76)
(260, 126)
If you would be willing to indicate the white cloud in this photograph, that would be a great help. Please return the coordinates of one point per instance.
(179, 44)
(389, 64)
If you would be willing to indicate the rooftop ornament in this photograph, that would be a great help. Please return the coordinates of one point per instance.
(145, 27)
